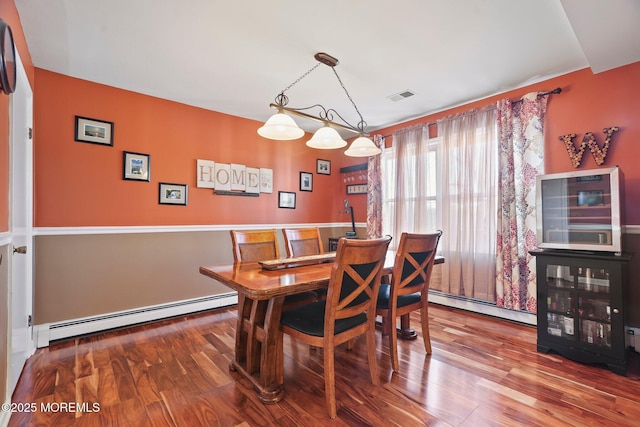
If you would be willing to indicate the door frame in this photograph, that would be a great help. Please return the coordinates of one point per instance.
(20, 332)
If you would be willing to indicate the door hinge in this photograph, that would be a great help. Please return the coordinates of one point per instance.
(30, 321)
(20, 250)
(30, 133)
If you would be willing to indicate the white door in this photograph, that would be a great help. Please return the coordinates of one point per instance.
(21, 223)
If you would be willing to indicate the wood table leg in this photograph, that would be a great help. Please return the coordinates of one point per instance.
(406, 331)
(272, 358)
(259, 350)
(244, 311)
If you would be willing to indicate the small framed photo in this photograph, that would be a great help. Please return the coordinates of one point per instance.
(357, 189)
(286, 199)
(323, 167)
(136, 166)
(173, 194)
(306, 181)
(94, 131)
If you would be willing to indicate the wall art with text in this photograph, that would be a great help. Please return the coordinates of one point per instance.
(233, 178)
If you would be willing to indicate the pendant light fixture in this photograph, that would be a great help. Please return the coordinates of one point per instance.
(280, 126)
(326, 138)
(362, 147)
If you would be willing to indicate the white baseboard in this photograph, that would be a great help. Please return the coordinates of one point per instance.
(47, 332)
(483, 308)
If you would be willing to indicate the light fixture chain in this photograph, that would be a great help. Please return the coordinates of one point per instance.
(281, 127)
(362, 124)
(301, 77)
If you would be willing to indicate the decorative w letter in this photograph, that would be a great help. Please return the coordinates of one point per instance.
(599, 154)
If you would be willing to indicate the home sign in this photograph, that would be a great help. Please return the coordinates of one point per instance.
(233, 177)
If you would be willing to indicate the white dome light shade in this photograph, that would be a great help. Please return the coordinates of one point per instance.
(280, 127)
(326, 138)
(362, 147)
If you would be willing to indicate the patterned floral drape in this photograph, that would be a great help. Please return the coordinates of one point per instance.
(521, 145)
(374, 193)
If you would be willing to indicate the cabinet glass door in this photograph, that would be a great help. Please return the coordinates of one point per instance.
(594, 306)
(561, 301)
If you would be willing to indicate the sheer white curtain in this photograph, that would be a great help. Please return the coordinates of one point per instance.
(467, 197)
(409, 187)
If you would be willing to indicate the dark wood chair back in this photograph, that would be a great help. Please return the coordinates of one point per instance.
(355, 279)
(262, 245)
(409, 287)
(254, 245)
(302, 241)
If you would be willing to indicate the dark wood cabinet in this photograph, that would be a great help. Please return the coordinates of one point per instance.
(333, 241)
(333, 244)
(581, 306)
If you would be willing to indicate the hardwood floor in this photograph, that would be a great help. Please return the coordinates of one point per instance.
(483, 372)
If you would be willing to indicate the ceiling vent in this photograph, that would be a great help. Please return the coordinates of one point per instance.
(401, 95)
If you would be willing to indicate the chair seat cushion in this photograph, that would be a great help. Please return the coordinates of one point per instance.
(309, 319)
(384, 295)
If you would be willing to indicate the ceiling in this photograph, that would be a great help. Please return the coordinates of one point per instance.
(236, 56)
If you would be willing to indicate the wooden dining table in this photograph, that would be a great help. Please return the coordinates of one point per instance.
(262, 288)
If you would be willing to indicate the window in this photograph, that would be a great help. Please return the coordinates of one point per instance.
(413, 194)
(448, 183)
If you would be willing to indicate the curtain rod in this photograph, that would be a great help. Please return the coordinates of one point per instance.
(517, 101)
(541, 94)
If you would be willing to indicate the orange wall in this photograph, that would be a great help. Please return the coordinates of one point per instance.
(588, 103)
(80, 184)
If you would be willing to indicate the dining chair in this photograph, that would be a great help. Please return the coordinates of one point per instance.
(302, 241)
(409, 287)
(262, 245)
(348, 311)
(254, 245)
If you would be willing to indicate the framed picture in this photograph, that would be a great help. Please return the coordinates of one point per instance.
(306, 181)
(323, 167)
(136, 166)
(173, 194)
(286, 199)
(94, 131)
(357, 189)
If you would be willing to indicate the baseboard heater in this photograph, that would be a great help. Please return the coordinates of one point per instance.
(481, 307)
(47, 332)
